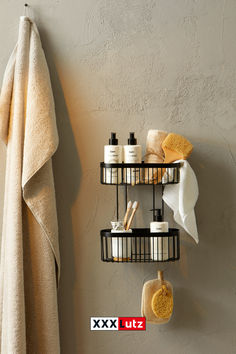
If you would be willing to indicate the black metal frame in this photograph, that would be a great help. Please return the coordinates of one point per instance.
(138, 246)
(141, 240)
(139, 173)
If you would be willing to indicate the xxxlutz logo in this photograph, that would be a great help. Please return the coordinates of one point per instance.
(118, 324)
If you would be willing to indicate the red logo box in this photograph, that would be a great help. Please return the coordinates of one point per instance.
(131, 323)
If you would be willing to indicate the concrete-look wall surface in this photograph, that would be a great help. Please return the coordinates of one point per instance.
(132, 65)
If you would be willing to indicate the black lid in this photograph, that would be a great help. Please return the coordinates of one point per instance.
(157, 215)
(132, 140)
(113, 140)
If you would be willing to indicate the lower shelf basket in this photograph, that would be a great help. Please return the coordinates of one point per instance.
(140, 246)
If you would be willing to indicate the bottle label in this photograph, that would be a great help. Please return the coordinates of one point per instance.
(112, 155)
(133, 155)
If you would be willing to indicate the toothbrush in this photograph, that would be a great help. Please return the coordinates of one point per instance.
(134, 207)
(129, 206)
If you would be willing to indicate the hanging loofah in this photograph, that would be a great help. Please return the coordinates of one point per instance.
(157, 300)
(162, 303)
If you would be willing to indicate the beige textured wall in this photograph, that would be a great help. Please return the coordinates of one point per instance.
(131, 65)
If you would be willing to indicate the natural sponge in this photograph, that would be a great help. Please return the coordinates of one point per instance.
(176, 147)
(162, 303)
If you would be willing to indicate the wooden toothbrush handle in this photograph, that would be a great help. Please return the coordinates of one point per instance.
(126, 217)
(130, 219)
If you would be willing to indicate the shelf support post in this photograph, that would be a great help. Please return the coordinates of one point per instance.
(117, 202)
(153, 200)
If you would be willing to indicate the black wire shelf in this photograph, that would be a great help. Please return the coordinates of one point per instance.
(139, 173)
(140, 245)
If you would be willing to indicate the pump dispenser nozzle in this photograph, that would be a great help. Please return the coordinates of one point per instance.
(157, 215)
(132, 140)
(113, 139)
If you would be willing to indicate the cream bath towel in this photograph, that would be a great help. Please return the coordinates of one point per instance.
(29, 268)
(154, 154)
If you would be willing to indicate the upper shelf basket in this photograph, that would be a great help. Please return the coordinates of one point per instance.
(139, 173)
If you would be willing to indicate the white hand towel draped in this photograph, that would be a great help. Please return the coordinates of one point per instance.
(182, 197)
(29, 267)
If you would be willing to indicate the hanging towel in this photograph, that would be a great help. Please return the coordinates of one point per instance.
(29, 265)
(182, 197)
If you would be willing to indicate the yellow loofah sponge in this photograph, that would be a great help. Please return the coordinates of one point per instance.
(176, 147)
(162, 303)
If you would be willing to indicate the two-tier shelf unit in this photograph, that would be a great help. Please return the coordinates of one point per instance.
(140, 245)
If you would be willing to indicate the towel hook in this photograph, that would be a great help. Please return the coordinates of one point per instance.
(26, 6)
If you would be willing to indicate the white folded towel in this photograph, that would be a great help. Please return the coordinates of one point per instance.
(29, 265)
(182, 197)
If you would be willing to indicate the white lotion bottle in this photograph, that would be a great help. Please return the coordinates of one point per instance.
(113, 153)
(132, 154)
(159, 245)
